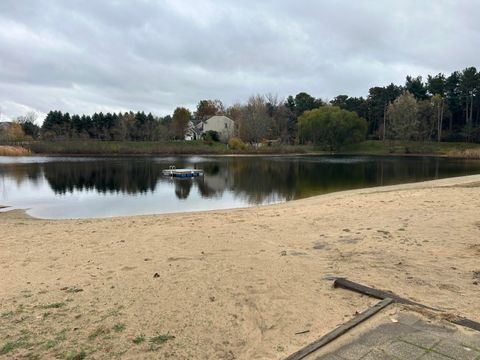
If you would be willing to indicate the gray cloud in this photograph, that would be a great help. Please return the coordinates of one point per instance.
(86, 56)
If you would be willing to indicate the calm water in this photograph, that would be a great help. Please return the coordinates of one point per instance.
(101, 187)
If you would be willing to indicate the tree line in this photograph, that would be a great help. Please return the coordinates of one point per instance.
(441, 107)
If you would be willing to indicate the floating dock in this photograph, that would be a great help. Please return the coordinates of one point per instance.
(182, 173)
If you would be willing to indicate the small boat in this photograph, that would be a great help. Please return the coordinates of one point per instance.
(182, 173)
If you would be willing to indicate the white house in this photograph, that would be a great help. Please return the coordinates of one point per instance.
(223, 125)
(191, 132)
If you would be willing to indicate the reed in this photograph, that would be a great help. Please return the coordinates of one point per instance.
(14, 151)
(466, 153)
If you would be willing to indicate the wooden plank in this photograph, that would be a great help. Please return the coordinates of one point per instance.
(362, 289)
(378, 294)
(342, 329)
(467, 323)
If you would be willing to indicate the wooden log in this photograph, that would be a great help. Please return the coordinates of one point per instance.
(378, 294)
(467, 323)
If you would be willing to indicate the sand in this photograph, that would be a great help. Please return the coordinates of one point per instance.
(235, 284)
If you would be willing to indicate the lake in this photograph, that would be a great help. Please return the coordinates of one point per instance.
(66, 187)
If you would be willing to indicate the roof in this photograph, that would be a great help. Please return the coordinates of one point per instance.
(219, 117)
(5, 124)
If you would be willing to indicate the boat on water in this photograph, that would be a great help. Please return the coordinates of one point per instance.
(182, 173)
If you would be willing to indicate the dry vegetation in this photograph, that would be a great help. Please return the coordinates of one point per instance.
(466, 153)
(13, 151)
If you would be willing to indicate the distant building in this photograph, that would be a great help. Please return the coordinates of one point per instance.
(5, 125)
(191, 132)
(223, 125)
(199, 128)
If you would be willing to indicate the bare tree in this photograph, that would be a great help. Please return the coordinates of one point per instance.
(254, 121)
(439, 106)
(29, 117)
(403, 118)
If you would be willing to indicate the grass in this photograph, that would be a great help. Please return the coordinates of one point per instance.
(115, 148)
(76, 355)
(112, 313)
(56, 305)
(20, 342)
(139, 339)
(14, 151)
(369, 147)
(12, 345)
(119, 327)
(160, 339)
(61, 336)
(73, 290)
(376, 147)
(199, 147)
(466, 153)
(99, 331)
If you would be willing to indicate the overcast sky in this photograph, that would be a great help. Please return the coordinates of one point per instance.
(84, 56)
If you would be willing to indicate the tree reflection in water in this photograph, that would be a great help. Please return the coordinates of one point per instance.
(182, 188)
(255, 180)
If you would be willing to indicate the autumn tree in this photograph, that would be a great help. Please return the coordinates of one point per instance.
(402, 117)
(181, 117)
(208, 108)
(426, 119)
(280, 119)
(28, 124)
(11, 131)
(254, 122)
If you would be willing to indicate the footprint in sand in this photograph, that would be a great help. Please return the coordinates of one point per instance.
(128, 268)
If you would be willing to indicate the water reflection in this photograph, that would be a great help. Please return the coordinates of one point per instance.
(108, 187)
(127, 176)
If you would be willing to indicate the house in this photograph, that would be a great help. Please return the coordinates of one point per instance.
(223, 125)
(191, 132)
(5, 125)
(199, 128)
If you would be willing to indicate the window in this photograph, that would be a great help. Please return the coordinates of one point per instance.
(226, 126)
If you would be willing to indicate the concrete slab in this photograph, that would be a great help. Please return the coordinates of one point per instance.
(399, 332)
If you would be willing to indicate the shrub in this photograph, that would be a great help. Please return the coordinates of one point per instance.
(236, 143)
(211, 135)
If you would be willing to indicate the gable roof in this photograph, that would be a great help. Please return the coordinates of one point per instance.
(219, 117)
(5, 124)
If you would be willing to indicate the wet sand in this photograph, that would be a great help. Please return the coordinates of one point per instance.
(235, 284)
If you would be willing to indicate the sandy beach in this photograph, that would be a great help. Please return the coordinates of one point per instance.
(235, 284)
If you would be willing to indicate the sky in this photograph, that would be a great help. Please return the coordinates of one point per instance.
(85, 56)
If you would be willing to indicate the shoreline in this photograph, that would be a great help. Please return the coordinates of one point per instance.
(460, 150)
(266, 154)
(280, 154)
(237, 282)
(436, 183)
